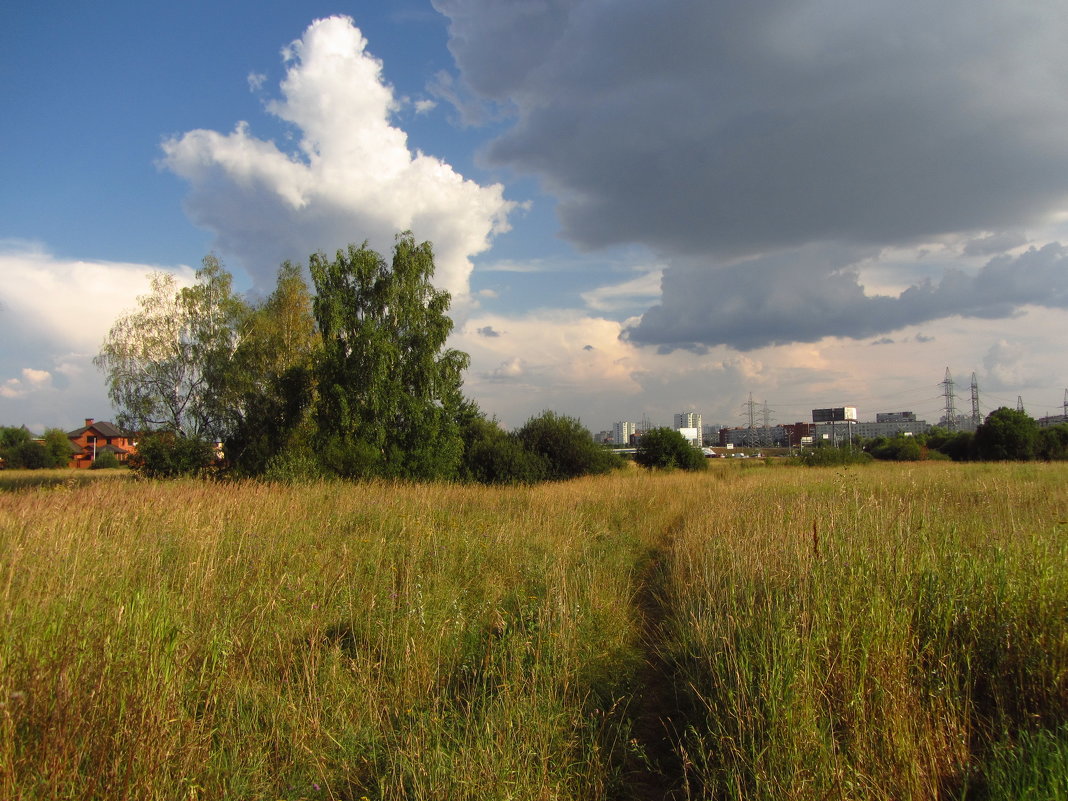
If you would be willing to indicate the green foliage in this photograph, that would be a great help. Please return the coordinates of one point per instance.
(13, 436)
(295, 465)
(827, 456)
(1007, 434)
(165, 455)
(666, 448)
(1052, 443)
(105, 461)
(166, 361)
(389, 389)
(19, 450)
(12, 440)
(493, 456)
(57, 445)
(896, 449)
(31, 456)
(271, 386)
(958, 446)
(566, 447)
(1034, 768)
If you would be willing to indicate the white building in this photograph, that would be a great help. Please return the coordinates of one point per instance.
(622, 432)
(689, 420)
(691, 435)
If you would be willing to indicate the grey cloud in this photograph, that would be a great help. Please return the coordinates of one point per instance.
(993, 244)
(803, 296)
(487, 331)
(883, 341)
(732, 127)
(924, 339)
(711, 132)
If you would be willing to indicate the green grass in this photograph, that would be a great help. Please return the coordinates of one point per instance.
(11, 480)
(883, 632)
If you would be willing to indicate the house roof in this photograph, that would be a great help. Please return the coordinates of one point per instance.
(104, 429)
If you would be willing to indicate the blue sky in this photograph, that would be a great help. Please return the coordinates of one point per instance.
(639, 210)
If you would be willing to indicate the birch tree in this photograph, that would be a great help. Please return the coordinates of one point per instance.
(389, 388)
(166, 361)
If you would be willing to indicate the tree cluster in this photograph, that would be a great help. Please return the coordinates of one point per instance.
(351, 378)
(19, 449)
(1005, 435)
(667, 449)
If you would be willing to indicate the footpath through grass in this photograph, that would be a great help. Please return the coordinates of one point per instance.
(779, 633)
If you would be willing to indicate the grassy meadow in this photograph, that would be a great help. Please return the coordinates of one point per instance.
(752, 632)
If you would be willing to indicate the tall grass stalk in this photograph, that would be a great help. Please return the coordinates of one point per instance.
(871, 633)
(885, 632)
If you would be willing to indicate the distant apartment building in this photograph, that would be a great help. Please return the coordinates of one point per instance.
(622, 432)
(895, 417)
(891, 424)
(710, 432)
(689, 425)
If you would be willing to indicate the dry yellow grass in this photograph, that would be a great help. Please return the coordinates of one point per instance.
(189, 640)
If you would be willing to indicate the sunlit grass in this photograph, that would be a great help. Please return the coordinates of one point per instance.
(885, 632)
(28, 479)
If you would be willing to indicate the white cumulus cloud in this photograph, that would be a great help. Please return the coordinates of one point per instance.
(54, 315)
(352, 178)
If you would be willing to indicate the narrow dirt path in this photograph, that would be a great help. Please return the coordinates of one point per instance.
(654, 768)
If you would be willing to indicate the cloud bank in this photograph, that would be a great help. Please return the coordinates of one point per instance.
(351, 177)
(54, 315)
(761, 150)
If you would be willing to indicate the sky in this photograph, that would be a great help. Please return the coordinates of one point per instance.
(638, 208)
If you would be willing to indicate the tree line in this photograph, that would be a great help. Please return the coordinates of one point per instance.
(19, 449)
(350, 377)
(1005, 435)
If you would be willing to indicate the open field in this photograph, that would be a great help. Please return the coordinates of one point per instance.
(754, 632)
(28, 479)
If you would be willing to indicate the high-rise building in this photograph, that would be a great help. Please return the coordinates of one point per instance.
(690, 420)
(622, 432)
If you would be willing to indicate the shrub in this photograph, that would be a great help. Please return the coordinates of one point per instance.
(1053, 442)
(293, 466)
(959, 446)
(105, 461)
(666, 448)
(493, 456)
(162, 454)
(566, 447)
(829, 456)
(896, 449)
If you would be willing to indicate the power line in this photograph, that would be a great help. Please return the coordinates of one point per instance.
(950, 396)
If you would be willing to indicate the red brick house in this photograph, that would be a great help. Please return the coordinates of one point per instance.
(94, 439)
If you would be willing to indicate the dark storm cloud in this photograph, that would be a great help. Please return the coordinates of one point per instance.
(769, 301)
(717, 131)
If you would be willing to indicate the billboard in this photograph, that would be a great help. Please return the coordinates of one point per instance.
(835, 415)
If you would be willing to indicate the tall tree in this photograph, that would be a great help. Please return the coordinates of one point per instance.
(165, 362)
(389, 389)
(1006, 434)
(272, 387)
(57, 444)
